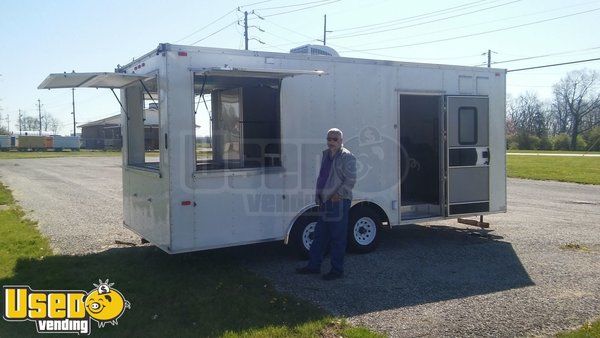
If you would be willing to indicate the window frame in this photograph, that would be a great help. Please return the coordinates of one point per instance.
(153, 75)
(263, 168)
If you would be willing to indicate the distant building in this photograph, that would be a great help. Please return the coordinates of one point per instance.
(106, 133)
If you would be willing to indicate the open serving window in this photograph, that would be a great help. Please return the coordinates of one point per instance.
(143, 126)
(238, 117)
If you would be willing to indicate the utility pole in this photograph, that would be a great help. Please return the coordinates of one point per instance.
(325, 31)
(246, 29)
(74, 127)
(8, 123)
(40, 115)
(489, 57)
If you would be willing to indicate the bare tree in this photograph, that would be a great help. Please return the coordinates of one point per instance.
(30, 123)
(576, 98)
(527, 115)
(50, 123)
(3, 130)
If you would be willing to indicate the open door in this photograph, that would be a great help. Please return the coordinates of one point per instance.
(468, 155)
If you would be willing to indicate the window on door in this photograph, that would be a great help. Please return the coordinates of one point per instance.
(467, 125)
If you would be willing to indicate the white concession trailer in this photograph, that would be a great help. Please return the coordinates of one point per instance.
(241, 135)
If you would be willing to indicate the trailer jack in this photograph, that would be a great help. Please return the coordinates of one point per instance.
(476, 223)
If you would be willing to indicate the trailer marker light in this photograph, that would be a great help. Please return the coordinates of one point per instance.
(186, 203)
(182, 53)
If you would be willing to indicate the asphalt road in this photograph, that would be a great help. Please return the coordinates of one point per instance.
(437, 279)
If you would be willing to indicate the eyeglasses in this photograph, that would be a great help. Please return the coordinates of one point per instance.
(332, 139)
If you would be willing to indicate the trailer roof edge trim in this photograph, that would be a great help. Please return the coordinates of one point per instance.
(90, 80)
(260, 73)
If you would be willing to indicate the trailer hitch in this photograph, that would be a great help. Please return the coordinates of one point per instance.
(476, 223)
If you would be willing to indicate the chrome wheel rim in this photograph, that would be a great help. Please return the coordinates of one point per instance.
(365, 230)
(308, 235)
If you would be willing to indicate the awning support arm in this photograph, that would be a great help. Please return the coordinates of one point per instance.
(201, 94)
(120, 103)
(147, 91)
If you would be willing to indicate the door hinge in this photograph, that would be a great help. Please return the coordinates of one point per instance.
(166, 141)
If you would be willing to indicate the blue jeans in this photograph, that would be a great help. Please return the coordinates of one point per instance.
(331, 229)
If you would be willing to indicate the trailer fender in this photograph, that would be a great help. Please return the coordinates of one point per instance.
(355, 203)
(293, 221)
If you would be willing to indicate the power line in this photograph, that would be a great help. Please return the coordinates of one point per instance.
(208, 25)
(289, 30)
(301, 9)
(481, 33)
(477, 24)
(344, 48)
(553, 65)
(287, 6)
(281, 38)
(425, 22)
(471, 4)
(255, 3)
(215, 32)
(220, 18)
(546, 55)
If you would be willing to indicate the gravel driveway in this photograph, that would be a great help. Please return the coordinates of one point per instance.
(437, 279)
(77, 201)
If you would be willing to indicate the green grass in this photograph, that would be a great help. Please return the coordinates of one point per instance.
(584, 170)
(197, 294)
(589, 330)
(9, 155)
(553, 151)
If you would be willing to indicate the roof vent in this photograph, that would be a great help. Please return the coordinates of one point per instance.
(314, 50)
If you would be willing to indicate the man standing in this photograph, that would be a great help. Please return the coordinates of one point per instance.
(337, 177)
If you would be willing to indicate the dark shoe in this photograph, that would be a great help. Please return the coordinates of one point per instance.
(331, 275)
(307, 271)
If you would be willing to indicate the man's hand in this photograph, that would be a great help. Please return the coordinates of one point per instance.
(336, 198)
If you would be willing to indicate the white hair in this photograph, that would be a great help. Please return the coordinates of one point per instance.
(336, 131)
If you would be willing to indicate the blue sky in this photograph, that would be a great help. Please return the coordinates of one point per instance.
(42, 37)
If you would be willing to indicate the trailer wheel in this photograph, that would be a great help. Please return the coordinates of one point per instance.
(302, 235)
(364, 226)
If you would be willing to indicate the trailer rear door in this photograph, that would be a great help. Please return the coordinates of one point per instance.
(468, 155)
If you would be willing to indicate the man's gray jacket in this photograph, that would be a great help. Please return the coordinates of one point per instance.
(342, 176)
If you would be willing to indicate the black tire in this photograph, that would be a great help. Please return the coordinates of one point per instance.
(364, 227)
(301, 235)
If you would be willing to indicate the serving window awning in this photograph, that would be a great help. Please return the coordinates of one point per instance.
(90, 80)
(259, 73)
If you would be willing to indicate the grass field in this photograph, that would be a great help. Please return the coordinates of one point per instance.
(584, 170)
(197, 294)
(553, 151)
(590, 330)
(9, 155)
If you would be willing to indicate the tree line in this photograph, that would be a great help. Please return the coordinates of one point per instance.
(31, 123)
(570, 120)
